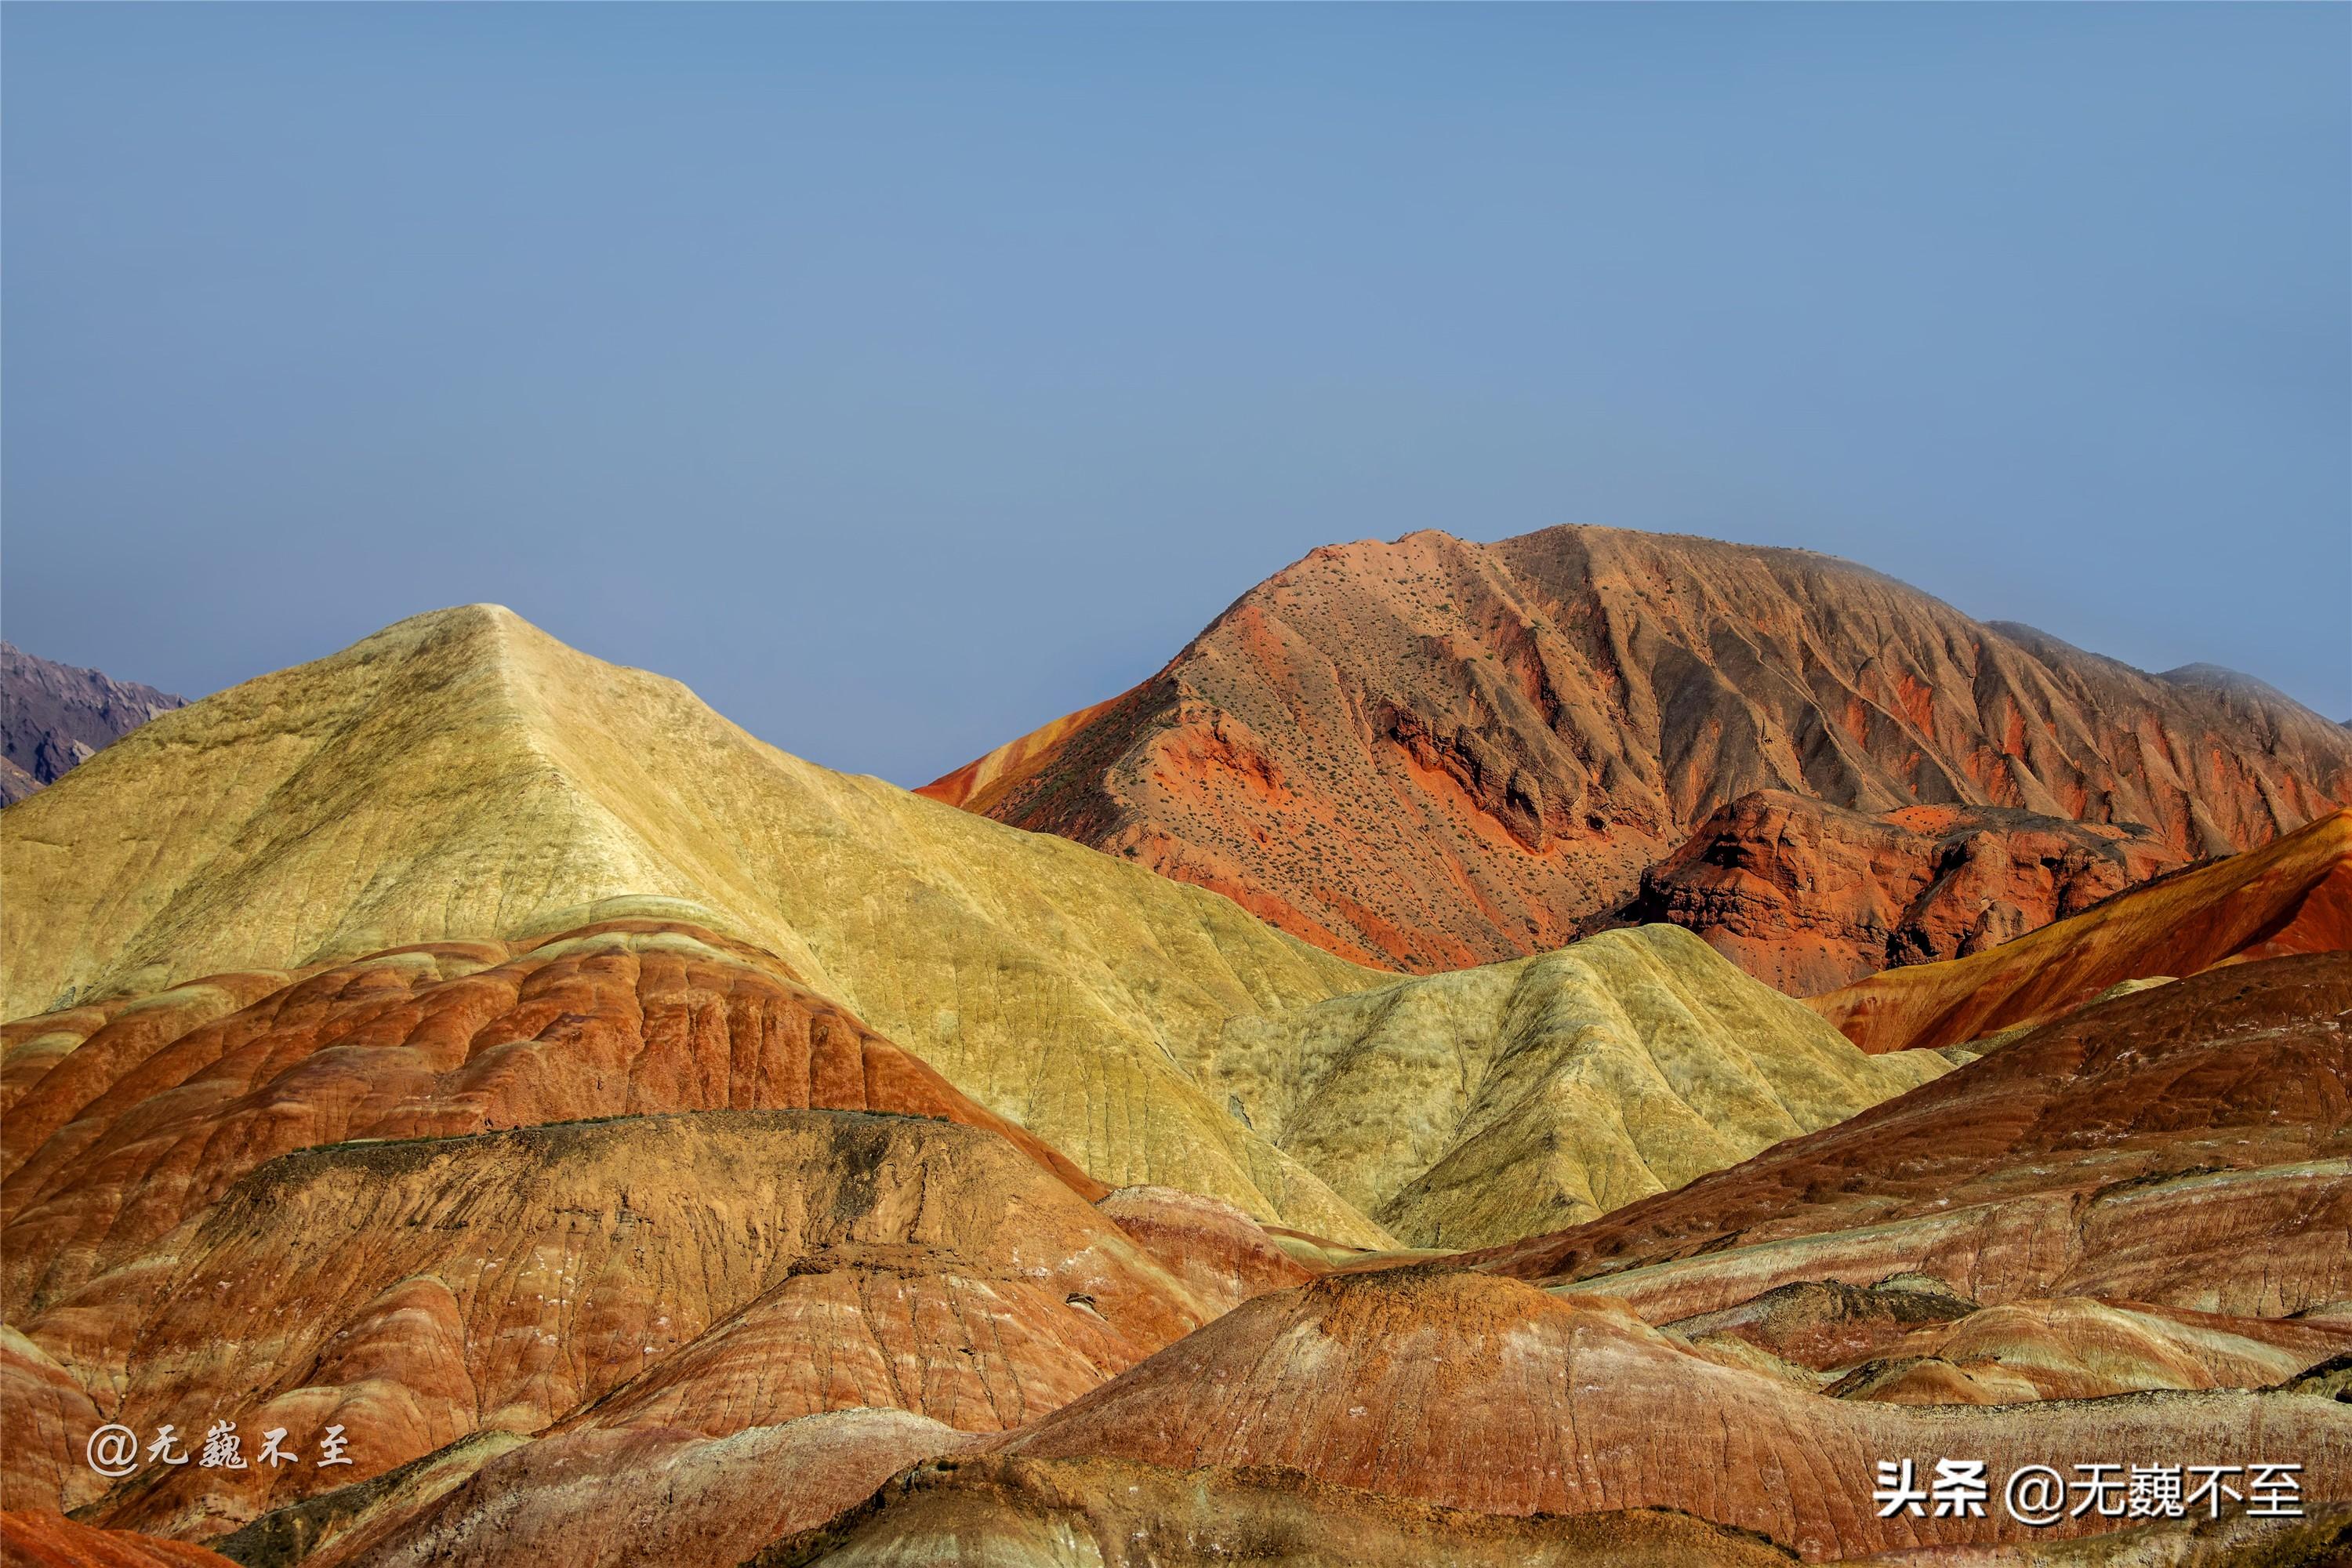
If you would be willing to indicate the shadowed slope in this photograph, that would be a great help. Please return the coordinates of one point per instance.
(462, 774)
(2293, 896)
(1434, 752)
(1477, 1107)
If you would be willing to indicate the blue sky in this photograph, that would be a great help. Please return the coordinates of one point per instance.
(900, 377)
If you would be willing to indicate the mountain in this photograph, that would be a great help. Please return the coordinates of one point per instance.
(1468, 1391)
(1810, 897)
(1473, 1108)
(1113, 1513)
(124, 1121)
(1432, 752)
(2187, 1145)
(712, 1273)
(462, 776)
(2291, 896)
(53, 716)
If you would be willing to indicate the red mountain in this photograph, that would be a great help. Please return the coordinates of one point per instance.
(1434, 752)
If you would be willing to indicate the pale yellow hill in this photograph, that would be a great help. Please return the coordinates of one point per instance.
(463, 774)
(1473, 1108)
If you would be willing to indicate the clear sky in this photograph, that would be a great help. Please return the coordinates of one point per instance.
(900, 377)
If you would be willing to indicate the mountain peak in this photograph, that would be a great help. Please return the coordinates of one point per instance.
(1435, 753)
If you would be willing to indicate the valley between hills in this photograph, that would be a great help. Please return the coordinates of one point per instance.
(1578, 1050)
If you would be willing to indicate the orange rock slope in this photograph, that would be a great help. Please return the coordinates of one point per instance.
(700, 1275)
(1470, 1391)
(1432, 752)
(37, 1539)
(2291, 896)
(443, 1196)
(144, 1113)
(1808, 897)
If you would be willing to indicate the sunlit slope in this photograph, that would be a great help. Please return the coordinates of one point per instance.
(1469, 1108)
(464, 774)
(2292, 895)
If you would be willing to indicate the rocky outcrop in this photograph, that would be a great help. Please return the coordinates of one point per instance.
(1432, 752)
(54, 716)
(1468, 1109)
(1466, 1390)
(2185, 1146)
(705, 1273)
(2291, 896)
(1113, 1513)
(158, 1109)
(1808, 897)
(462, 775)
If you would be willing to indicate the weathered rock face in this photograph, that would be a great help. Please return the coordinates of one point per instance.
(704, 1273)
(1470, 1391)
(1909, 1342)
(49, 1417)
(2187, 1146)
(53, 716)
(1111, 1514)
(2291, 896)
(1474, 1108)
(162, 1105)
(1222, 1256)
(37, 1539)
(1432, 753)
(621, 1497)
(2322, 1538)
(463, 775)
(1809, 897)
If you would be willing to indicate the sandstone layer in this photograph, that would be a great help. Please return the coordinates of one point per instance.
(1809, 897)
(463, 775)
(1110, 1514)
(2291, 896)
(37, 1539)
(54, 716)
(1431, 754)
(623, 1497)
(699, 1274)
(1908, 1340)
(1474, 1108)
(154, 1113)
(1469, 1391)
(2185, 1146)
(2322, 1538)
(1221, 1256)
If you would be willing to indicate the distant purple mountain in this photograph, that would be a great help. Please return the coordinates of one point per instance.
(53, 716)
